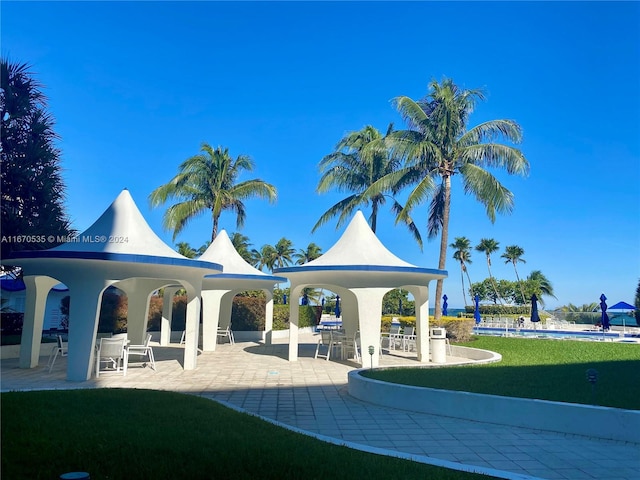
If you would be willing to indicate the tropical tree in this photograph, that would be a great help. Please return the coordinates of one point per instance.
(209, 182)
(489, 246)
(266, 257)
(637, 304)
(513, 254)
(544, 285)
(186, 250)
(462, 254)
(32, 198)
(241, 244)
(312, 252)
(284, 253)
(437, 146)
(360, 159)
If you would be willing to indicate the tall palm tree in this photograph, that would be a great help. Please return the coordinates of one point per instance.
(513, 254)
(360, 159)
(438, 146)
(489, 246)
(543, 283)
(209, 182)
(266, 257)
(462, 254)
(312, 252)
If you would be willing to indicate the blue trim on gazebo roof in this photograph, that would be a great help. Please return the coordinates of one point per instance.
(248, 276)
(362, 268)
(117, 257)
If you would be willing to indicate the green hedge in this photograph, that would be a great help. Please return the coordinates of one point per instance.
(458, 329)
(247, 314)
(500, 310)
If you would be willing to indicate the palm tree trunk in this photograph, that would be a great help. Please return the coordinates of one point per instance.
(444, 241)
(466, 270)
(524, 301)
(214, 231)
(464, 295)
(374, 215)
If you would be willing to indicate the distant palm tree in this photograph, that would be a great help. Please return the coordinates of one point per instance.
(462, 254)
(185, 250)
(513, 254)
(489, 246)
(360, 159)
(586, 307)
(312, 252)
(438, 146)
(266, 257)
(543, 282)
(284, 252)
(208, 182)
(241, 244)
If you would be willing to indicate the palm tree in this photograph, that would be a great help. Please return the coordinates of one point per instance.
(489, 246)
(284, 252)
(266, 257)
(360, 159)
(312, 252)
(208, 182)
(438, 146)
(543, 284)
(513, 254)
(186, 250)
(462, 245)
(241, 244)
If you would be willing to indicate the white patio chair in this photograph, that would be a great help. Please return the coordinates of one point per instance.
(144, 351)
(349, 347)
(58, 349)
(112, 352)
(393, 337)
(226, 333)
(409, 339)
(324, 341)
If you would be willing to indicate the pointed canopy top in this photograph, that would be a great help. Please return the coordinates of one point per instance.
(223, 252)
(622, 306)
(358, 245)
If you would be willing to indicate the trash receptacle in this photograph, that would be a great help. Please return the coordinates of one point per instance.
(438, 345)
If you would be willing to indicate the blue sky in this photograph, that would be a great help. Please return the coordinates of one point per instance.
(136, 87)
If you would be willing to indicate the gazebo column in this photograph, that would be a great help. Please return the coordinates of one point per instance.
(167, 315)
(421, 296)
(268, 318)
(38, 288)
(211, 312)
(294, 316)
(138, 292)
(370, 315)
(84, 313)
(192, 325)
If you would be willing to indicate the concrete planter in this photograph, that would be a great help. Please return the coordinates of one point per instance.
(593, 421)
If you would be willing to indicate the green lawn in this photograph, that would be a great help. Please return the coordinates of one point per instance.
(126, 434)
(537, 368)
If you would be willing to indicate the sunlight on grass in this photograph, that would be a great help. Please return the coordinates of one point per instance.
(537, 368)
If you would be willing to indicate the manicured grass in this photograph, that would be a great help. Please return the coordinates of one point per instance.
(125, 434)
(538, 368)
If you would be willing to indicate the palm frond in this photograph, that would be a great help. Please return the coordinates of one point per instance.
(487, 190)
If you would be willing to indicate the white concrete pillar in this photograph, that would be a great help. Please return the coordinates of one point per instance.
(294, 316)
(37, 290)
(421, 297)
(268, 318)
(84, 313)
(192, 327)
(211, 312)
(167, 315)
(369, 301)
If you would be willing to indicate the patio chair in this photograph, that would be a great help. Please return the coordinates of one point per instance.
(393, 337)
(144, 351)
(112, 352)
(349, 347)
(409, 339)
(58, 349)
(226, 333)
(324, 341)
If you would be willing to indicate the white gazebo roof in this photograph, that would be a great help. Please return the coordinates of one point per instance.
(221, 251)
(359, 259)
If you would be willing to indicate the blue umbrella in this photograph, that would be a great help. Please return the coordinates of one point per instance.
(305, 299)
(535, 317)
(476, 312)
(603, 309)
(400, 306)
(445, 305)
(337, 310)
(284, 298)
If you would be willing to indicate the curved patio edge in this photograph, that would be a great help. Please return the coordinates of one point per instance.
(571, 418)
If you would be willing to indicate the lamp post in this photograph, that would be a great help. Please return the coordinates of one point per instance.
(371, 349)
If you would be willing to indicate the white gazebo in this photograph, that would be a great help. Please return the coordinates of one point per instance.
(219, 290)
(120, 250)
(361, 270)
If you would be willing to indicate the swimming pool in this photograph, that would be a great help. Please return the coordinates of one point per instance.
(566, 334)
